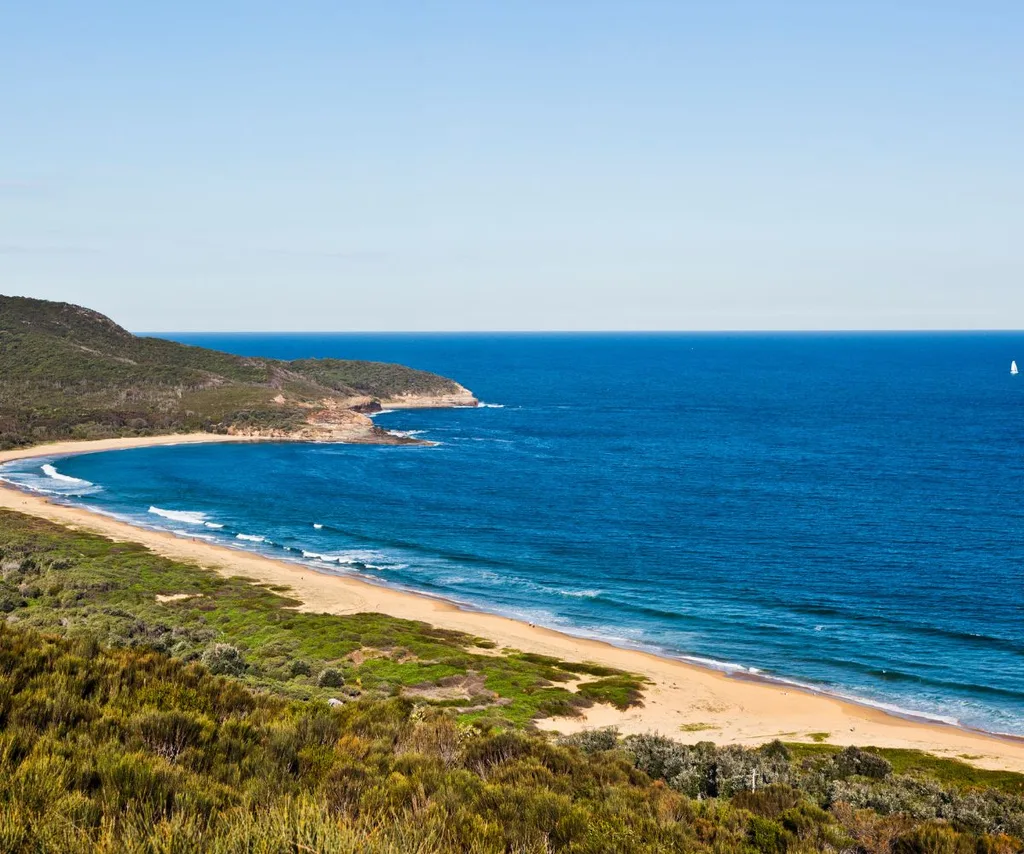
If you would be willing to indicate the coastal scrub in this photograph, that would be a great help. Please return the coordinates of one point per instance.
(69, 582)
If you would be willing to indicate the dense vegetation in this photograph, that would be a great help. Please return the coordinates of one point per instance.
(68, 372)
(128, 750)
(229, 721)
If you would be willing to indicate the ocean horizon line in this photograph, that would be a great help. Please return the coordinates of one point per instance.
(585, 333)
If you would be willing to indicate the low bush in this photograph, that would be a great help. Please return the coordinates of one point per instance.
(330, 677)
(224, 659)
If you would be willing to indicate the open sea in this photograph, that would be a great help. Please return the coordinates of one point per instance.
(843, 511)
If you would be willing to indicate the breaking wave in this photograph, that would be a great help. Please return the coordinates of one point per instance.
(188, 517)
(52, 472)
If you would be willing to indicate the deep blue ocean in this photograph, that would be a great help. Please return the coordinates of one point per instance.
(843, 511)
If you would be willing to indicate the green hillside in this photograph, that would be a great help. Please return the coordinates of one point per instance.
(69, 372)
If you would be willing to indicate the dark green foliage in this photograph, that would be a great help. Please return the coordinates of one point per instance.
(376, 379)
(767, 836)
(300, 668)
(330, 677)
(856, 762)
(70, 373)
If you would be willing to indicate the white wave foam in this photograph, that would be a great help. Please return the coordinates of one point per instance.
(408, 434)
(581, 594)
(380, 412)
(317, 525)
(192, 535)
(483, 405)
(714, 664)
(189, 517)
(252, 538)
(50, 471)
(214, 525)
(51, 486)
(357, 557)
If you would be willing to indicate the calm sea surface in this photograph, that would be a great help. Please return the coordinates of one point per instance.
(843, 511)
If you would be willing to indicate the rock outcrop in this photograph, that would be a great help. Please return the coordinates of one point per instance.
(460, 397)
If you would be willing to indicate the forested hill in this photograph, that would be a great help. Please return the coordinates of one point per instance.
(70, 372)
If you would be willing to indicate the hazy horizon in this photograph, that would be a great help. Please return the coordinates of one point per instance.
(450, 166)
(164, 333)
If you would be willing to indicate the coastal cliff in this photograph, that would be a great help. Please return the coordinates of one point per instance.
(67, 372)
(459, 396)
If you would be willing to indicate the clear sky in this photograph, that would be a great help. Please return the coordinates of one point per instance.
(558, 164)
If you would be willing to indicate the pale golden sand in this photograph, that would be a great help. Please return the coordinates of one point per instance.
(683, 700)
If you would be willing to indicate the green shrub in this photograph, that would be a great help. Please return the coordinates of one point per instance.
(224, 659)
(300, 668)
(330, 677)
(767, 836)
(769, 802)
(934, 839)
(854, 761)
(592, 740)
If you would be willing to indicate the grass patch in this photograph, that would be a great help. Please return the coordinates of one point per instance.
(696, 727)
(623, 692)
(818, 737)
(949, 771)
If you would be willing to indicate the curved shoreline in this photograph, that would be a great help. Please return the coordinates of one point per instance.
(684, 699)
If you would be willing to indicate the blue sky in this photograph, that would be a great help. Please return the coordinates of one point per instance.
(516, 165)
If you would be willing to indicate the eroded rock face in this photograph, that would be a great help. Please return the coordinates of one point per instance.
(345, 419)
(461, 397)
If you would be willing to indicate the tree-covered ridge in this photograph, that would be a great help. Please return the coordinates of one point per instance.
(69, 372)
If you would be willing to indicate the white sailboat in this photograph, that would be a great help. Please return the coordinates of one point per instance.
(1013, 367)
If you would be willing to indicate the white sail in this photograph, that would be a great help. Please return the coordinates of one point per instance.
(1013, 367)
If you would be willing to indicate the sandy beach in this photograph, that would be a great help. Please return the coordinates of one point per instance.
(683, 700)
